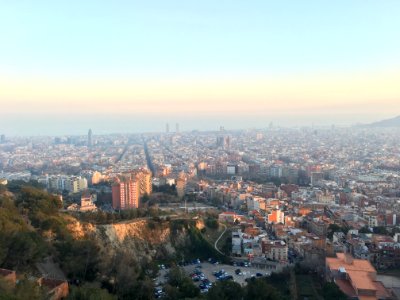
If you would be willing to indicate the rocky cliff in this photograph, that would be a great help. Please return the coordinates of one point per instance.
(140, 239)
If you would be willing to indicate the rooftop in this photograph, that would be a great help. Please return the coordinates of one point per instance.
(334, 263)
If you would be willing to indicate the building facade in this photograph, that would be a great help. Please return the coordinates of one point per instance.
(125, 193)
(129, 188)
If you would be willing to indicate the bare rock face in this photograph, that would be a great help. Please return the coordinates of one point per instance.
(141, 240)
(137, 239)
(200, 224)
(118, 233)
(79, 230)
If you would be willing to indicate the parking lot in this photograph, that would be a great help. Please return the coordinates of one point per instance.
(207, 270)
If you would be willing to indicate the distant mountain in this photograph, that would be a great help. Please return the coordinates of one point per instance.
(393, 122)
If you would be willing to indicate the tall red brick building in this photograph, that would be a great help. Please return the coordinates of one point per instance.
(125, 193)
(128, 189)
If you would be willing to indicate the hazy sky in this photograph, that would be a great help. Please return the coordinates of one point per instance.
(135, 65)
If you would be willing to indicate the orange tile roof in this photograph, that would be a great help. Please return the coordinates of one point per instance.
(367, 298)
(359, 274)
(345, 287)
(5, 272)
(357, 265)
(361, 280)
(382, 292)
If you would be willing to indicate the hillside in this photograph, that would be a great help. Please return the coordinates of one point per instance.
(114, 259)
(142, 240)
(393, 122)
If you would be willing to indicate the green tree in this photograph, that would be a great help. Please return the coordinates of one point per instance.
(28, 289)
(144, 289)
(330, 291)
(145, 198)
(24, 249)
(24, 289)
(176, 276)
(79, 258)
(258, 289)
(89, 292)
(336, 228)
(332, 229)
(227, 246)
(181, 283)
(131, 279)
(380, 230)
(19, 245)
(171, 292)
(6, 289)
(225, 290)
(212, 223)
(364, 229)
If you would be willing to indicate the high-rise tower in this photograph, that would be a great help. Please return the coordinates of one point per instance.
(129, 188)
(125, 193)
(90, 141)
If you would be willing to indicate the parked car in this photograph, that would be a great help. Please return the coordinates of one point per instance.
(226, 277)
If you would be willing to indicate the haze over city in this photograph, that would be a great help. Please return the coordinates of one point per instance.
(131, 66)
(199, 149)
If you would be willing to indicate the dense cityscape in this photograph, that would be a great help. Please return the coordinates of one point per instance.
(199, 150)
(324, 200)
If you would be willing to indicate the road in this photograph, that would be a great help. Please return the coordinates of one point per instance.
(216, 242)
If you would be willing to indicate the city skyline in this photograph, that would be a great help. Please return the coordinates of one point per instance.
(203, 65)
(186, 149)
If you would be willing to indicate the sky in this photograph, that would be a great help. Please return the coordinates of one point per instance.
(131, 66)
